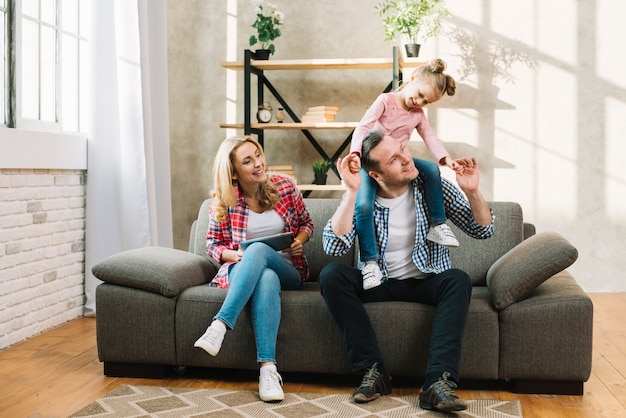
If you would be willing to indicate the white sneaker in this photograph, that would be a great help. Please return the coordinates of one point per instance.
(270, 382)
(211, 340)
(442, 234)
(372, 276)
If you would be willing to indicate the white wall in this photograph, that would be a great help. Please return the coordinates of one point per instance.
(552, 139)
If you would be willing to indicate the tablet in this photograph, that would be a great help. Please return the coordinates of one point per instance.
(276, 241)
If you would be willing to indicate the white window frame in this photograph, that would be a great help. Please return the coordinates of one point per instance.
(28, 143)
(13, 68)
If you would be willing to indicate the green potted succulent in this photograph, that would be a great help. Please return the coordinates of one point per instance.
(320, 168)
(414, 20)
(267, 24)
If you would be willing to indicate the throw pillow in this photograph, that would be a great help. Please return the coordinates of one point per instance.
(156, 269)
(519, 271)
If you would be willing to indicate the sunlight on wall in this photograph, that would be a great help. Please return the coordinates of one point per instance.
(231, 55)
(556, 110)
(472, 9)
(459, 125)
(511, 19)
(614, 162)
(556, 187)
(560, 45)
(609, 53)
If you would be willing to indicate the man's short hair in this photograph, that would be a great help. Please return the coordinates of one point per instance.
(371, 141)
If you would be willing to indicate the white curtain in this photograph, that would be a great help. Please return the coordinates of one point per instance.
(128, 173)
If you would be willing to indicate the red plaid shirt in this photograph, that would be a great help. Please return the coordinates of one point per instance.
(228, 234)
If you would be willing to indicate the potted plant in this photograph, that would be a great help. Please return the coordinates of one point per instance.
(267, 25)
(320, 168)
(414, 20)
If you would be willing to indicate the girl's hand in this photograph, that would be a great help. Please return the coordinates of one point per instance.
(454, 166)
(355, 164)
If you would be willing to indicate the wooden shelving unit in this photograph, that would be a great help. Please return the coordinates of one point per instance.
(250, 66)
(325, 64)
(293, 126)
(320, 187)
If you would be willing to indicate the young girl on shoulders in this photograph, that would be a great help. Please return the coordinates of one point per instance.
(397, 114)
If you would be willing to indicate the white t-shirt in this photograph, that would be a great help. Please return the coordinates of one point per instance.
(401, 238)
(264, 224)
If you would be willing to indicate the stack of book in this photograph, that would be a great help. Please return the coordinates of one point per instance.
(320, 114)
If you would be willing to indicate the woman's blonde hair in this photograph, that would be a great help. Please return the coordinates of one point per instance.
(223, 181)
(433, 72)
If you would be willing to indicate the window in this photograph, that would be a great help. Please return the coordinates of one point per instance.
(5, 62)
(42, 72)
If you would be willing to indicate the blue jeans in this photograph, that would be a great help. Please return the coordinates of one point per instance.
(450, 291)
(433, 197)
(259, 278)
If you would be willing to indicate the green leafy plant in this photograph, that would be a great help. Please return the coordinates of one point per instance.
(415, 20)
(267, 23)
(320, 167)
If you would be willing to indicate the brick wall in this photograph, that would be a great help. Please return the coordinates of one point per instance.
(42, 254)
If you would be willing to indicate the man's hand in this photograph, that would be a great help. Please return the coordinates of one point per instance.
(468, 182)
(341, 221)
(350, 177)
(469, 177)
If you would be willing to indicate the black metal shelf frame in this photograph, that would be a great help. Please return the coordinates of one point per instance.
(263, 82)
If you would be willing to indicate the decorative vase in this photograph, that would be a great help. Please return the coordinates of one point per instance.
(262, 54)
(412, 50)
(320, 179)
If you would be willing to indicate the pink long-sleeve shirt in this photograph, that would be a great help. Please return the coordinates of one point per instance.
(386, 115)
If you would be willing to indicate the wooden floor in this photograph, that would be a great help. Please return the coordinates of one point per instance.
(57, 373)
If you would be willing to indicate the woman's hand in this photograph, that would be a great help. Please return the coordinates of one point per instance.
(232, 255)
(295, 249)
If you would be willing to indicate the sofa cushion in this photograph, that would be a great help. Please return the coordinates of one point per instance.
(321, 211)
(518, 272)
(156, 269)
(475, 256)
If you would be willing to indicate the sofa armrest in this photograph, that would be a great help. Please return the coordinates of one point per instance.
(155, 269)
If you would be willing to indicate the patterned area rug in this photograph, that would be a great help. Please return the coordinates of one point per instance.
(154, 401)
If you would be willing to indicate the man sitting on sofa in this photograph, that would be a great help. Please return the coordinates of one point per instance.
(414, 269)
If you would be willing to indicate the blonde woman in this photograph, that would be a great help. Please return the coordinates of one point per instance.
(250, 203)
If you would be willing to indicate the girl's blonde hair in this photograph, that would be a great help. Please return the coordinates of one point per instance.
(223, 181)
(433, 72)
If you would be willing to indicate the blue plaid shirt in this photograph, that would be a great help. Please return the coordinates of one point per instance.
(428, 256)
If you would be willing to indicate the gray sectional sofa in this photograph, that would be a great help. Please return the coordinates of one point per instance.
(529, 326)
